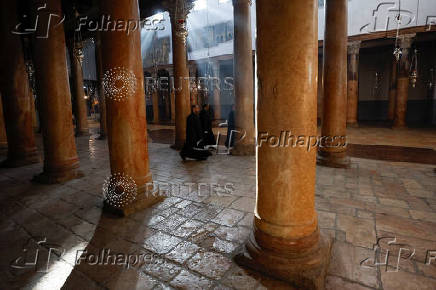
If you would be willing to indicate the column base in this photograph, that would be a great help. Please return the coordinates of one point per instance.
(143, 201)
(399, 126)
(3, 148)
(353, 125)
(57, 177)
(333, 159)
(243, 150)
(19, 161)
(177, 146)
(304, 270)
(82, 133)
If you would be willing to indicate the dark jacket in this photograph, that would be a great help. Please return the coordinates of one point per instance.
(194, 131)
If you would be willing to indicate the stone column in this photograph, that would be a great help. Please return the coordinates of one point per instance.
(403, 82)
(181, 73)
(155, 99)
(172, 93)
(52, 88)
(3, 139)
(392, 89)
(286, 241)
(353, 83)
(216, 89)
(126, 117)
(173, 105)
(243, 78)
(333, 151)
(101, 97)
(15, 89)
(80, 111)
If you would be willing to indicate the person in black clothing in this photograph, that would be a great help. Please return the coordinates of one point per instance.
(206, 117)
(230, 128)
(194, 147)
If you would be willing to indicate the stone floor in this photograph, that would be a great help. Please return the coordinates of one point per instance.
(190, 238)
(370, 135)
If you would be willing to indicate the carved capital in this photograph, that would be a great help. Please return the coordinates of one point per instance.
(406, 40)
(354, 47)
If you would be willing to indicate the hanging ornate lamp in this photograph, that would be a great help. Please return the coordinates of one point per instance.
(77, 41)
(398, 51)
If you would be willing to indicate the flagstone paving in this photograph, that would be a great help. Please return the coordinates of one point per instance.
(188, 241)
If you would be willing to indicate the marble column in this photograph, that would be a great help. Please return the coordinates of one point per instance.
(80, 111)
(173, 105)
(126, 112)
(172, 92)
(286, 241)
(353, 83)
(101, 97)
(332, 150)
(392, 89)
(61, 162)
(3, 139)
(15, 93)
(403, 82)
(216, 89)
(155, 100)
(243, 79)
(179, 33)
(193, 91)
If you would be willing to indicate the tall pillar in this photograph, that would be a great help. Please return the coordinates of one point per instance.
(61, 162)
(353, 83)
(101, 97)
(15, 89)
(126, 110)
(403, 82)
(78, 92)
(193, 84)
(3, 139)
(172, 93)
(181, 73)
(155, 99)
(392, 90)
(216, 90)
(286, 242)
(333, 151)
(243, 78)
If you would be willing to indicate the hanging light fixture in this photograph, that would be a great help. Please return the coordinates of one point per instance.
(398, 51)
(77, 41)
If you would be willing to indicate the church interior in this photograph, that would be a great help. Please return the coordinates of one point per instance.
(218, 144)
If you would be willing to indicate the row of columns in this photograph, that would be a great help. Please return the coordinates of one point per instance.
(214, 96)
(398, 83)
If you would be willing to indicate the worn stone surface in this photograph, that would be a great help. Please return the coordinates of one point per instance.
(70, 215)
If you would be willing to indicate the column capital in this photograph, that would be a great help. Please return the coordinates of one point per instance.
(406, 40)
(250, 2)
(354, 47)
(178, 13)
